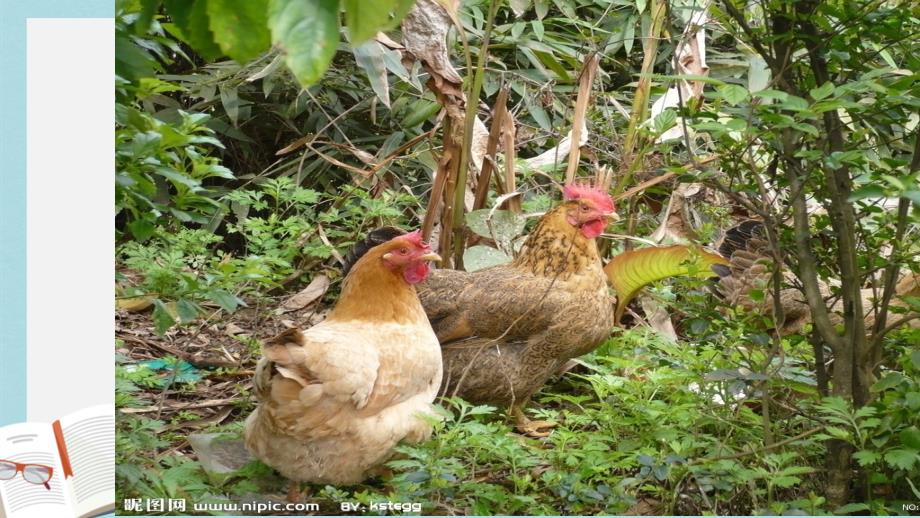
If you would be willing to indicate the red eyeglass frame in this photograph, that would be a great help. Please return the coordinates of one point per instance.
(20, 468)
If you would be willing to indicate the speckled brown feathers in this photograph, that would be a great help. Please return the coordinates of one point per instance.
(505, 330)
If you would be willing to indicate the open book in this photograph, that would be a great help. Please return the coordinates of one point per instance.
(80, 449)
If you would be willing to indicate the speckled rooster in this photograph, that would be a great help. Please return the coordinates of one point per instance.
(505, 330)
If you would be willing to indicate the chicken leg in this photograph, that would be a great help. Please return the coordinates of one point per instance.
(295, 492)
(528, 427)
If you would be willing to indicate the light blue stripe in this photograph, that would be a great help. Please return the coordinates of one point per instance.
(13, 15)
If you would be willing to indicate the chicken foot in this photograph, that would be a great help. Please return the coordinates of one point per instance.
(529, 427)
(295, 492)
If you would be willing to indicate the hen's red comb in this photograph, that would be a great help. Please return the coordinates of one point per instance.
(599, 197)
(415, 237)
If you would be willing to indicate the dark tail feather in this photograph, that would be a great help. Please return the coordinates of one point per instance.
(737, 237)
(374, 238)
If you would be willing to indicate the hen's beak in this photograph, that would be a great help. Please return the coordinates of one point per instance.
(612, 216)
(430, 256)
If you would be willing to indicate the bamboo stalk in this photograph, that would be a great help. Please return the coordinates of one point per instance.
(658, 8)
(585, 81)
(508, 137)
(472, 103)
(499, 112)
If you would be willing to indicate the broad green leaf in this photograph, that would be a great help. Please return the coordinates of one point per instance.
(538, 113)
(191, 19)
(162, 318)
(630, 271)
(365, 18)
(867, 191)
(186, 310)
(226, 300)
(910, 437)
(420, 111)
(369, 56)
(240, 28)
(142, 229)
(629, 34)
(230, 100)
(913, 400)
(541, 7)
(866, 457)
(915, 359)
(537, 26)
(148, 10)
(891, 380)
(822, 91)
(520, 7)
(481, 256)
(307, 31)
(902, 458)
(501, 225)
(733, 94)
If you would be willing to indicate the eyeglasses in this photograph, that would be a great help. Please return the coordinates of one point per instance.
(33, 473)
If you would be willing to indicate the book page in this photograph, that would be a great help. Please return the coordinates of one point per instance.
(32, 443)
(89, 437)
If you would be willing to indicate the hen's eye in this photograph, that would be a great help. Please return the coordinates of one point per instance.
(403, 250)
(585, 208)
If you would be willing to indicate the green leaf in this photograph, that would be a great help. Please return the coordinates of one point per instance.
(240, 28)
(365, 18)
(891, 380)
(141, 229)
(162, 318)
(867, 191)
(822, 91)
(851, 508)
(538, 30)
(838, 433)
(420, 111)
(369, 56)
(191, 18)
(501, 225)
(866, 457)
(733, 94)
(631, 271)
(186, 310)
(910, 437)
(148, 11)
(913, 400)
(520, 7)
(541, 7)
(226, 300)
(307, 31)
(912, 195)
(481, 256)
(915, 359)
(902, 458)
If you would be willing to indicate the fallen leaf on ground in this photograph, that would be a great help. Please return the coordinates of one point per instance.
(307, 296)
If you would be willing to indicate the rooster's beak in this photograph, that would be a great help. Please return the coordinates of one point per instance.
(612, 216)
(430, 256)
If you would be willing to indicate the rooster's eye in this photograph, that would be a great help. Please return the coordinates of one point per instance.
(585, 208)
(403, 250)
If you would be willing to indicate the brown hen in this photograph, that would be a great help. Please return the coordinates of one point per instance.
(336, 398)
(505, 330)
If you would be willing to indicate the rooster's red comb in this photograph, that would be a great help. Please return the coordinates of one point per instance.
(584, 191)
